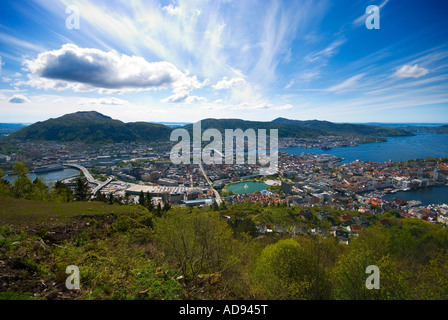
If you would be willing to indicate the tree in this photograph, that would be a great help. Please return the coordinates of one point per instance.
(148, 203)
(127, 198)
(22, 187)
(215, 206)
(40, 190)
(81, 190)
(159, 211)
(61, 192)
(101, 197)
(166, 207)
(111, 199)
(286, 271)
(20, 169)
(247, 226)
(195, 242)
(141, 199)
(222, 206)
(5, 186)
(350, 277)
(433, 280)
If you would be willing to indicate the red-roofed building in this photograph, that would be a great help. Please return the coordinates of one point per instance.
(346, 218)
(355, 228)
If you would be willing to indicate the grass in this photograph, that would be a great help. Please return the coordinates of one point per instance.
(109, 243)
(21, 212)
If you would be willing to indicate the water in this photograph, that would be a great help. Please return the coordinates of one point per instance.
(422, 145)
(431, 195)
(246, 187)
(51, 176)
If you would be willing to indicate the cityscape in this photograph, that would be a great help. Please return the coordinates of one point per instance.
(233, 152)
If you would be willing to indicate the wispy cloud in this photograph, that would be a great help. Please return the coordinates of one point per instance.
(347, 85)
(326, 53)
(18, 43)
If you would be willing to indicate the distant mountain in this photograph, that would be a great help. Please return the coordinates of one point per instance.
(91, 127)
(94, 127)
(440, 129)
(8, 128)
(330, 128)
(284, 130)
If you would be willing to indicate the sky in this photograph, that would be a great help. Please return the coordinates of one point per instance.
(184, 61)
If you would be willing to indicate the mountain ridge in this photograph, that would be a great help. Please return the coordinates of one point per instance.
(91, 127)
(94, 127)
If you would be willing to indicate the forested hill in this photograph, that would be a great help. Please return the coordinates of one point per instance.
(345, 128)
(91, 127)
(284, 130)
(303, 129)
(441, 129)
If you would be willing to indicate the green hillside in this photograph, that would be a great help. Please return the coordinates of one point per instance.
(345, 128)
(284, 130)
(91, 127)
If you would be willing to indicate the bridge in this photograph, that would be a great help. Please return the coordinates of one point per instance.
(84, 171)
(102, 185)
(89, 177)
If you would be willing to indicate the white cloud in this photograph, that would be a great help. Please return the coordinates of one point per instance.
(290, 84)
(408, 71)
(103, 101)
(226, 84)
(260, 106)
(347, 85)
(173, 11)
(184, 97)
(83, 69)
(18, 98)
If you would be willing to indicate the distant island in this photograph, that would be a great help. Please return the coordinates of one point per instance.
(8, 128)
(440, 130)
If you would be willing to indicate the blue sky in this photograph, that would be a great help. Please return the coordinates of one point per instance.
(256, 60)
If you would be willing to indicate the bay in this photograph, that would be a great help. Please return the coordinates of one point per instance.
(427, 196)
(51, 176)
(420, 146)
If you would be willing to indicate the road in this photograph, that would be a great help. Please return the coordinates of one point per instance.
(102, 185)
(217, 195)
